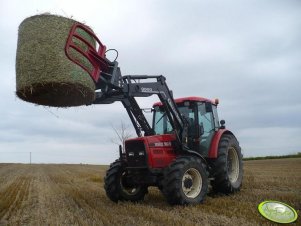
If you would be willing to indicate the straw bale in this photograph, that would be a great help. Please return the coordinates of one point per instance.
(44, 74)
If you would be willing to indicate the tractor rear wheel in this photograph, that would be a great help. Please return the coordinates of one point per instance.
(117, 188)
(227, 169)
(185, 181)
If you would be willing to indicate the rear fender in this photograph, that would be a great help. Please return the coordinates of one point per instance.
(213, 151)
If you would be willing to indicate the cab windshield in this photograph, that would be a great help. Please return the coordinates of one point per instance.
(161, 122)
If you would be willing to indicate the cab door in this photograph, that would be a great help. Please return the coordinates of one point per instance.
(206, 120)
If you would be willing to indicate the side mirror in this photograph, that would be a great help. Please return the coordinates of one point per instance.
(223, 122)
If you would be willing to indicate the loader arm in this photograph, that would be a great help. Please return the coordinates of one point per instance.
(131, 87)
(111, 86)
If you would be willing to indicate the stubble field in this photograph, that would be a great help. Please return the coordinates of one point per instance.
(74, 195)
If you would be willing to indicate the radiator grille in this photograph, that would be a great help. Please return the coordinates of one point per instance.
(135, 153)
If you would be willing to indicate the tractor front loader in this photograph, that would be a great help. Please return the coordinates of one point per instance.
(181, 152)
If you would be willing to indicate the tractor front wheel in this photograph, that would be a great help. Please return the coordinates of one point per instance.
(117, 188)
(185, 181)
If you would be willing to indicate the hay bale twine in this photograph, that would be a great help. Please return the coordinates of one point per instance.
(44, 74)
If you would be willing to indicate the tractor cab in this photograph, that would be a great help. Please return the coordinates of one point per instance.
(201, 116)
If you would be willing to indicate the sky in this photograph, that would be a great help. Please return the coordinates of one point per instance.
(246, 53)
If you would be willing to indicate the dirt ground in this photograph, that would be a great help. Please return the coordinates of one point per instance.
(74, 195)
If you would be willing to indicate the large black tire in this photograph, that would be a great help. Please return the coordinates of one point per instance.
(185, 181)
(116, 187)
(227, 169)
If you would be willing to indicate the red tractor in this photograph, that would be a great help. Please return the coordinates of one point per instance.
(184, 149)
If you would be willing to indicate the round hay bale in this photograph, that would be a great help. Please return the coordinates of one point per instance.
(44, 74)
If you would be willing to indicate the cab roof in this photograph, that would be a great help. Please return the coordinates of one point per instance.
(194, 99)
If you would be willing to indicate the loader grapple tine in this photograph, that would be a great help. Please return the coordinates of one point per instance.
(92, 59)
